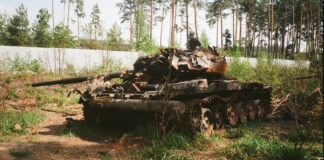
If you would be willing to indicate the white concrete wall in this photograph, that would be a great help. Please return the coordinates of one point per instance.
(81, 58)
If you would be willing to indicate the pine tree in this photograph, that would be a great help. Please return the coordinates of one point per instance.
(41, 34)
(128, 8)
(79, 4)
(114, 40)
(17, 31)
(95, 19)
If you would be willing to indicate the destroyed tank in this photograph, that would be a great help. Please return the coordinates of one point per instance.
(183, 87)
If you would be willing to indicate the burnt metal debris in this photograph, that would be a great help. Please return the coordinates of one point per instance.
(187, 85)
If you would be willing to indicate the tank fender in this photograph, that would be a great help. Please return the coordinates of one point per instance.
(138, 105)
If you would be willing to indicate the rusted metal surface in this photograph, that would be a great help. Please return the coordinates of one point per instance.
(190, 83)
(138, 105)
(75, 80)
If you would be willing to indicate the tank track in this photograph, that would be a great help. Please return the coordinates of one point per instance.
(219, 109)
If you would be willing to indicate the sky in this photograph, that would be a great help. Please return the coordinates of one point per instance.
(110, 15)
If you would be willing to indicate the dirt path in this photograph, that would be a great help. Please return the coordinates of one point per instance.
(47, 142)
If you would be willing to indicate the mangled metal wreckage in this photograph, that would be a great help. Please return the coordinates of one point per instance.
(189, 86)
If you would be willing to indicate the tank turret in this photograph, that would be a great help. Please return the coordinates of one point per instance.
(189, 85)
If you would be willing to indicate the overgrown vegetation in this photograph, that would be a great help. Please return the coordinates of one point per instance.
(18, 123)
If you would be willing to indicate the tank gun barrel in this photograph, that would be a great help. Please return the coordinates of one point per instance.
(74, 80)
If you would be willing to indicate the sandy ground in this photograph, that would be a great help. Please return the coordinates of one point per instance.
(47, 142)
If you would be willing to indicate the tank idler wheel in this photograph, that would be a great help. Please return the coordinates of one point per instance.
(259, 109)
(251, 110)
(242, 113)
(232, 114)
(218, 118)
(206, 123)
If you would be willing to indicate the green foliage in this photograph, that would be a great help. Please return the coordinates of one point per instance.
(21, 65)
(62, 37)
(17, 31)
(204, 41)
(95, 19)
(153, 152)
(235, 133)
(242, 70)
(235, 51)
(279, 77)
(114, 39)
(8, 120)
(227, 35)
(254, 147)
(105, 156)
(143, 41)
(41, 35)
(79, 4)
(3, 25)
(177, 141)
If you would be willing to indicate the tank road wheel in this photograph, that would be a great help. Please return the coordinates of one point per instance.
(218, 117)
(202, 120)
(243, 113)
(231, 114)
(251, 110)
(259, 108)
(206, 123)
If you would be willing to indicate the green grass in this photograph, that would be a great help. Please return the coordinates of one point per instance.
(255, 147)
(27, 119)
(105, 156)
(279, 77)
(234, 133)
(20, 154)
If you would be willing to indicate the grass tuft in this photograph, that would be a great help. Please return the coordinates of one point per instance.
(15, 123)
(254, 147)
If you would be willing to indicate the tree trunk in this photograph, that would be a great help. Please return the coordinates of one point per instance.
(68, 17)
(131, 28)
(78, 28)
(172, 23)
(233, 12)
(318, 29)
(195, 12)
(64, 13)
(175, 18)
(312, 33)
(269, 22)
(283, 35)
(307, 31)
(90, 34)
(301, 26)
(53, 14)
(237, 3)
(95, 32)
(260, 35)
(131, 36)
(187, 22)
(271, 43)
(217, 32)
(249, 29)
(277, 42)
(293, 28)
(221, 15)
(151, 22)
(162, 20)
(240, 29)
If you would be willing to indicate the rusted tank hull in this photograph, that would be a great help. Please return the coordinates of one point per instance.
(137, 105)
